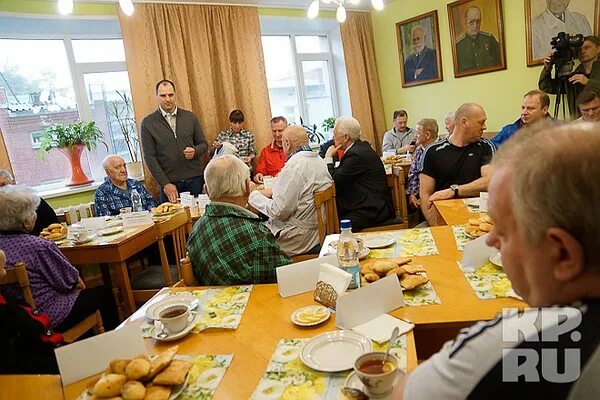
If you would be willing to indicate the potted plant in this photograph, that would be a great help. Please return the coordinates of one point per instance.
(314, 136)
(328, 124)
(71, 140)
(122, 112)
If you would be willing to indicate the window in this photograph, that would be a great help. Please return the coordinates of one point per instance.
(62, 80)
(300, 78)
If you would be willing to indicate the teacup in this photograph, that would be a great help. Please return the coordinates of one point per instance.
(175, 318)
(377, 377)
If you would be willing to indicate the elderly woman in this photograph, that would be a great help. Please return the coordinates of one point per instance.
(55, 284)
(242, 139)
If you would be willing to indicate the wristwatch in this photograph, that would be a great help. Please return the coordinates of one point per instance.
(455, 188)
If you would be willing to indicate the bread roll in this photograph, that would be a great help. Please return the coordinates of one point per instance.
(383, 266)
(118, 366)
(485, 227)
(372, 277)
(398, 271)
(137, 369)
(109, 385)
(133, 390)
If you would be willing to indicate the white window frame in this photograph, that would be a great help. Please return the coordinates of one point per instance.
(77, 72)
(298, 58)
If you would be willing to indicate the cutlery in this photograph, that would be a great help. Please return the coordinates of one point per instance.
(393, 338)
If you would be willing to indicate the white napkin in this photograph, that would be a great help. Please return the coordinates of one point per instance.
(476, 254)
(380, 329)
(336, 277)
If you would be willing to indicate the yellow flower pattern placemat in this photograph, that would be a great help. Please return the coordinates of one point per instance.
(471, 207)
(422, 296)
(287, 378)
(217, 308)
(490, 282)
(460, 236)
(409, 243)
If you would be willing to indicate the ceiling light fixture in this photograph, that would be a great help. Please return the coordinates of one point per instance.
(65, 7)
(340, 14)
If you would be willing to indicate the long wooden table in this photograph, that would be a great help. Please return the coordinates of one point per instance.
(454, 211)
(265, 321)
(22, 387)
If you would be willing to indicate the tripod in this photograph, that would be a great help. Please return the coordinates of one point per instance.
(562, 97)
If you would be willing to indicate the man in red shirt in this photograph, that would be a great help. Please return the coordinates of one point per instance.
(272, 158)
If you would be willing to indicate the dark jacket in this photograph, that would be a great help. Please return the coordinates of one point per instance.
(163, 152)
(362, 193)
(45, 216)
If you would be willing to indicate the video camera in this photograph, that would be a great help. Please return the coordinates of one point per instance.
(565, 48)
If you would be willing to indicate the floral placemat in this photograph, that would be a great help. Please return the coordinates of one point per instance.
(409, 243)
(490, 282)
(460, 236)
(421, 296)
(287, 378)
(472, 208)
(217, 308)
(205, 376)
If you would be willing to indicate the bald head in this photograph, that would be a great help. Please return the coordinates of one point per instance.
(294, 137)
(473, 21)
(469, 122)
(116, 170)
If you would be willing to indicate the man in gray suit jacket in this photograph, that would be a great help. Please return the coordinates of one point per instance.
(173, 143)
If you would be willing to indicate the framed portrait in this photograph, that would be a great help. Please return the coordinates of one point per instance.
(419, 50)
(477, 35)
(544, 19)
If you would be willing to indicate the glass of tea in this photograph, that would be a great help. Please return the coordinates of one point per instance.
(377, 376)
(175, 318)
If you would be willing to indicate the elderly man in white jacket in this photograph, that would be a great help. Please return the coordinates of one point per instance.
(290, 204)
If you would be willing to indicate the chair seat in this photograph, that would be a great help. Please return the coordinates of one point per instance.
(152, 278)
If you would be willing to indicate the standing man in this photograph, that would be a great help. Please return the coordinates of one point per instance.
(421, 64)
(586, 75)
(272, 157)
(534, 107)
(427, 134)
(589, 105)
(556, 18)
(400, 138)
(475, 48)
(459, 165)
(362, 193)
(173, 143)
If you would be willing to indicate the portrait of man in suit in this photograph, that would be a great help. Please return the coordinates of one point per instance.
(419, 49)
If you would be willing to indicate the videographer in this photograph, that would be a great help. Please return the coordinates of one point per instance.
(587, 73)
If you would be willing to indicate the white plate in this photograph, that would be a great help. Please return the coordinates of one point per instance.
(110, 231)
(496, 259)
(473, 202)
(334, 351)
(192, 322)
(363, 254)
(378, 241)
(308, 310)
(354, 382)
(154, 310)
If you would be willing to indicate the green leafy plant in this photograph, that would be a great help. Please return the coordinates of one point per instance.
(69, 135)
(314, 136)
(328, 124)
(122, 112)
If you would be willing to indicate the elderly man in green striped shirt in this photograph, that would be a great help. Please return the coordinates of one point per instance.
(229, 245)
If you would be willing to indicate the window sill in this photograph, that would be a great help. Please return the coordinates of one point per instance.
(65, 191)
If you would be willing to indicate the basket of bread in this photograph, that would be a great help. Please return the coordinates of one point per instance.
(394, 159)
(477, 227)
(410, 276)
(54, 232)
(166, 209)
(158, 378)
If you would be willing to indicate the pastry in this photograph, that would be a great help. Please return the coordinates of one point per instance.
(173, 374)
(413, 269)
(409, 282)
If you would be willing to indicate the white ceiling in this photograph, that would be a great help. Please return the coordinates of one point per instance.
(303, 4)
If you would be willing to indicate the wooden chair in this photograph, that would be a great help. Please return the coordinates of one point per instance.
(149, 281)
(19, 275)
(325, 201)
(187, 274)
(397, 187)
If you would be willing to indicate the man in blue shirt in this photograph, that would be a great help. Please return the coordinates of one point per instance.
(534, 107)
(115, 192)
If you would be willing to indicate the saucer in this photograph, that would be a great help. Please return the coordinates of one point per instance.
(354, 382)
(154, 310)
(193, 320)
(496, 259)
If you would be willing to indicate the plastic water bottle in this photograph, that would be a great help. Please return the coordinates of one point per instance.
(136, 201)
(347, 253)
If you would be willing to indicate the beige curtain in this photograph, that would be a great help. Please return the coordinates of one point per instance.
(363, 84)
(214, 56)
(4, 160)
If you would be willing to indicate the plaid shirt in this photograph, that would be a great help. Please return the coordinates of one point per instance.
(243, 141)
(230, 246)
(414, 171)
(109, 199)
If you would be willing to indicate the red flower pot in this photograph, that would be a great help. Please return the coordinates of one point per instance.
(78, 176)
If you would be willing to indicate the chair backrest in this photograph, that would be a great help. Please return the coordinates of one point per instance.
(187, 273)
(397, 187)
(19, 275)
(325, 201)
(177, 228)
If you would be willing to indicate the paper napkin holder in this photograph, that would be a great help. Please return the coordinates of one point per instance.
(325, 294)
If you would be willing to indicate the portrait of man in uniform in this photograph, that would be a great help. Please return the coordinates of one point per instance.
(419, 49)
(477, 34)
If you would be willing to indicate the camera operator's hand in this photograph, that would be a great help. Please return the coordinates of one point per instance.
(579, 78)
(548, 61)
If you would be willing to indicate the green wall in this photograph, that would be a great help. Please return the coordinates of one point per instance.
(498, 92)
(71, 199)
(50, 7)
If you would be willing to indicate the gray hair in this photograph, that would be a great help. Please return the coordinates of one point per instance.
(226, 176)
(105, 161)
(19, 204)
(553, 184)
(349, 126)
(6, 175)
